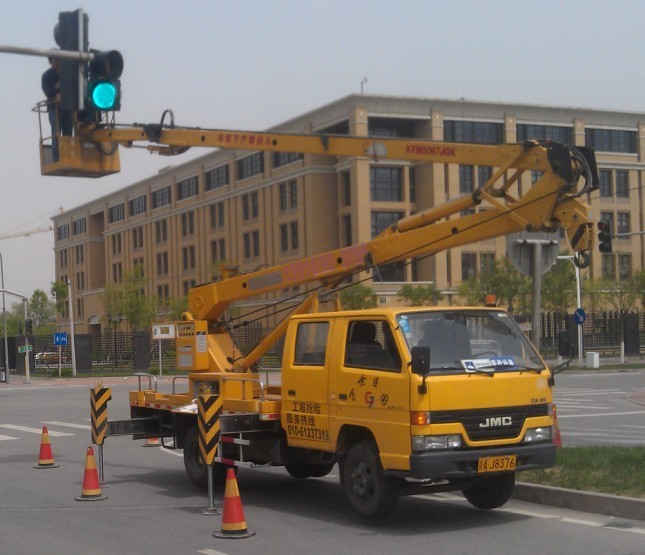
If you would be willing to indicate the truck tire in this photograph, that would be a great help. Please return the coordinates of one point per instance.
(193, 463)
(308, 470)
(490, 493)
(195, 468)
(371, 493)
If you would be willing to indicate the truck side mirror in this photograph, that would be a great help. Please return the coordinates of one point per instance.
(420, 360)
(565, 349)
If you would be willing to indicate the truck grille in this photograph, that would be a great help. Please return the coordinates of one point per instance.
(486, 424)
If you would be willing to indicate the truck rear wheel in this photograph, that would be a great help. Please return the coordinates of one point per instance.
(371, 493)
(490, 493)
(194, 464)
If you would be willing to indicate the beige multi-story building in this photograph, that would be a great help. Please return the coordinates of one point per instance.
(254, 209)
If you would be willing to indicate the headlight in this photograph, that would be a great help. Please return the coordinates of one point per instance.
(425, 443)
(533, 435)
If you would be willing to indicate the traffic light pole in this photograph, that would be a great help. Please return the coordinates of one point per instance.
(59, 54)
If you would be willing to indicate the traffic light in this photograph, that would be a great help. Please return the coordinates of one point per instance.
(71, 34)
(29, 326)
(604, 236)
(104, 87)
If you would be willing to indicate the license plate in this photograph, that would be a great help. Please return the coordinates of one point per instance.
(499, 463)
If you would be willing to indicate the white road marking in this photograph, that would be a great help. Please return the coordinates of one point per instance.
(601, 414)
(33, 430)
(68, 425)
(5, 438)
(211, 552)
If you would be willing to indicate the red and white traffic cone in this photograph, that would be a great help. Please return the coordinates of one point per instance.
(91, 490)
(233, 523)
(46, 457)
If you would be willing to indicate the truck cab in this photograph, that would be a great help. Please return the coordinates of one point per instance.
(413, 398)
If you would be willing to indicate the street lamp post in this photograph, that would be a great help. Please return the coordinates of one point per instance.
(578, 301)
(4, 322)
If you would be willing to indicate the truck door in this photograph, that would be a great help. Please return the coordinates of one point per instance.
(371, 388)
(305, 405)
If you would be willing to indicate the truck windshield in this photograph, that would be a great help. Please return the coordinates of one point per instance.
(470, 340)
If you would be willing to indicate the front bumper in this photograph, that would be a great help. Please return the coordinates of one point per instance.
(442, 465)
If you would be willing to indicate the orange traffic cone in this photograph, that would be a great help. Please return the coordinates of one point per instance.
(556, 437)
(152, 442)
(91, 490)
(45, 458)
(233, 523)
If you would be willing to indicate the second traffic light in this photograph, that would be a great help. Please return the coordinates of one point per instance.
(604, 236)
(104, 86)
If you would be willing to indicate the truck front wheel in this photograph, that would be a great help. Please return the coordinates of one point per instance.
(490, 493)
(196, 469)
(371, 493)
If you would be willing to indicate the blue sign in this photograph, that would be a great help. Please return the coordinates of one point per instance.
(579, 316)
(60, 338)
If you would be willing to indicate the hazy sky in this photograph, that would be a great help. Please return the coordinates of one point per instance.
(253, 64)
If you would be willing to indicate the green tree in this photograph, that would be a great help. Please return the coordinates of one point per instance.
(502, 279)
(128, 300)
(420, 295)
(357, 296)
(42, 312)
(60, 292)
(559, 287)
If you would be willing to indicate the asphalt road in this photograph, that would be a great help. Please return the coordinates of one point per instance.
(151, 508)
(601, 408)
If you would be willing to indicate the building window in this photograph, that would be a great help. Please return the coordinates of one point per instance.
(79, 226)
(63, 232)
(80, 254)
(255, 205)
(473, 132)
(162, 263)
(188, 285)
(62, 258)
(468, 265)
(294, 235)
(218, 250)
(560, 134)
(611, 140)
(117, 272)
(390, 127)
(256, 243)
(247, 245)
(536, 175)
(138, 205)
(217, 215)
(116, 213)
(386, 272)
(466, 179)
(608, 266)
(161, 197)
(161, 231)
(623, 221)
(283, 196)
(624, 266)
(187, 224)
(188, 256)
(386, 184)
(163, 292)
(246, 212)
(216, 178)
(604, 177)
(486, 261)
(251, 165)
(284, 158)
(622, 186)
(187, 188)
(137, 264)
(284, 238)
(484, 173)
(137, 237)
(293, 194)
(116, 243)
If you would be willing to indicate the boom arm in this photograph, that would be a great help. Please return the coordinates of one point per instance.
(554, 201)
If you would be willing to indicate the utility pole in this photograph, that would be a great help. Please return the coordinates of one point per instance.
(70, 305)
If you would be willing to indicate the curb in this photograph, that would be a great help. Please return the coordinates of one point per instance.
(589, 502)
